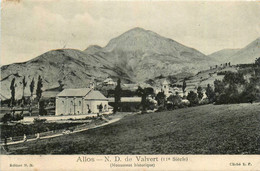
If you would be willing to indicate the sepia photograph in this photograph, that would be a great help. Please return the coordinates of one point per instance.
(130, 78)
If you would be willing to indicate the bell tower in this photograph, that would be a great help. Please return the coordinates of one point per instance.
(165, 87)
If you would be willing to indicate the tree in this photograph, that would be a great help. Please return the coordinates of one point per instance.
(149, 91)
(143, 94)
(193, 98)
(39, 90)
(60, 85)
(31, 90)
(175, 100)
(118, 91)
(24, 85)
(250, 93)
(12, 88)
(100, 108)
(219, 87)
(210, 93)
(160, 98)
(184, 85)
(236, 78)
(257, 62)
(32, 87)
(199, 91)
(42, 111)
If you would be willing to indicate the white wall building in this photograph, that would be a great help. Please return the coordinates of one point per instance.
(109, 81)
(166, 88)
(80, 101)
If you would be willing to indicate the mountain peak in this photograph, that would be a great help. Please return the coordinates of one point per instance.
(137, 29)
(139, 39)
(140, 31)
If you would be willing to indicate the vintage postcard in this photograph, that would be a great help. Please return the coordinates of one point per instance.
(130, 85)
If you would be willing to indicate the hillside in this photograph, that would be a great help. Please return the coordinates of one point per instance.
(248, 54)
(72, 67)
(245, 55)
(207, 129)
(135, 56)
(222, 56)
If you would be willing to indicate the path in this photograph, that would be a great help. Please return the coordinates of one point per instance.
(115, 118)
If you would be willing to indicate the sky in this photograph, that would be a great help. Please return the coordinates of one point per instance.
(30, 28)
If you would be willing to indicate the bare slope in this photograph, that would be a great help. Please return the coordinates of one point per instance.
(222, 56)
(245, 55)
(248, 54)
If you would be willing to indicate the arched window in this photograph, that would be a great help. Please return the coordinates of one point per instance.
(79, 103)
(71, 102)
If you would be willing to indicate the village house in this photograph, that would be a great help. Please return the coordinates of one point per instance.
(109, 82)
(80, 101)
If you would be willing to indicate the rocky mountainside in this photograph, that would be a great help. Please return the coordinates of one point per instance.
(244, 55)
(135, 56)
(73, 68)
(143, 54)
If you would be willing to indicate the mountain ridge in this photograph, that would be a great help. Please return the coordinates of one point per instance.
(134, 56)
(245, 55)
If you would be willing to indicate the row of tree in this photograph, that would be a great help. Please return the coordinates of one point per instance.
(24, 84)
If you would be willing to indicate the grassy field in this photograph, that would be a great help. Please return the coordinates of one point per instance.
(208, 129)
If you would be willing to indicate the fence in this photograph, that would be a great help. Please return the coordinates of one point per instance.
(45, 134)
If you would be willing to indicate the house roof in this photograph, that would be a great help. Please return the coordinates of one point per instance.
(165, 82)
(108, 80)
(49, 94)
(95, 95)
(80, 92)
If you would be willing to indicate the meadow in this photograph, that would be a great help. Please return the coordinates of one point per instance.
(207, 129)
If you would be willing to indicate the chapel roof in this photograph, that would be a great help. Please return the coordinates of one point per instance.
(95, 95)
(79, 92)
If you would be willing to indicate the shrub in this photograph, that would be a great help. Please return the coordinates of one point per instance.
(199, 91)
(160, 109)
(193, 98)
(204, 101)
(210, 94)
(7, 118)
(175, 101)
(39, 121)
(42, 111)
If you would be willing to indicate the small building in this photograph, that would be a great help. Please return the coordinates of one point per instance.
(166, 88)
(109, 81)
(80, 101)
